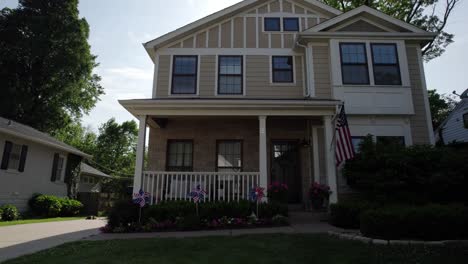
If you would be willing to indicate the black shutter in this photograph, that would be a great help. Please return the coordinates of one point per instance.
(24, 154)
(6, 155)
(54, 168)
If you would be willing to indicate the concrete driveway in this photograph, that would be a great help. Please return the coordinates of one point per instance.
(21, 240)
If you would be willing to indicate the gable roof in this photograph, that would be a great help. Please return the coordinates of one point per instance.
(86, 169)
(364, 10)
(150, 45)
(28, 133)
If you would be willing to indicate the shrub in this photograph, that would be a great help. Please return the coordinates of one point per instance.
(347, 214)
(123, 213)
(429, 222)
(9, 213)
(70, 207)
(1, 213)
(53, 206)
(278, 192)
(280, 220)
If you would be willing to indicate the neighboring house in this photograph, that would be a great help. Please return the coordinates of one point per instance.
(90, 179)
(247, 96)
(455, 127)
(33, 162)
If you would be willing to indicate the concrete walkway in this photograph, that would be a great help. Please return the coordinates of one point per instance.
(25, 239)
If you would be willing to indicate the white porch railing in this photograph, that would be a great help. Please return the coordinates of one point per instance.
(220, 186)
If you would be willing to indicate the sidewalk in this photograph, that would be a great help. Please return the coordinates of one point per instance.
(26, 239)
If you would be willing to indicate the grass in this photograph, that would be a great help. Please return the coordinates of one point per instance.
(34, 221)
(321, 249)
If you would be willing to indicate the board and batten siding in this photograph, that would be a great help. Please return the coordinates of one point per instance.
(321, 64)
(419, 122)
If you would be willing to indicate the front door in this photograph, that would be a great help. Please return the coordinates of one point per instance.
(285, 167)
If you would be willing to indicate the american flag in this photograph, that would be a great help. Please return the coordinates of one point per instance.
(141, 198)
(344, 144)
(198, 194)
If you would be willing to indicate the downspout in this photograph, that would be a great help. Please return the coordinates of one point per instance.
(307, 92)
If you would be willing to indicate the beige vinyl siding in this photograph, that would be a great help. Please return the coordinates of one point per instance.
(207, 75)
(213, 36)
(322, 72)
(251, 33)
(239, 32)
(258, 79)
(288, 41)
(287, 7)
(274, 6)
(311, 22)
(262, 37)
(201, 40)
(361, 26)
(275, 41)
(226, 35)
(188, 43)
(419, 129)
(163, 75)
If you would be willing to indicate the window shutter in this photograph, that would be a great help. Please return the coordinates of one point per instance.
(6, 155)
(24, 154)
(54, 168)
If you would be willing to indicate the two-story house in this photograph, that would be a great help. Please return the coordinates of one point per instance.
(247, 96)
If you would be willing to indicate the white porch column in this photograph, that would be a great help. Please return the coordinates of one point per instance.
(262, 150)
(330, 157)
(140, 155)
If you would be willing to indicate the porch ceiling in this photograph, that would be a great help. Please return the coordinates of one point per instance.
(229, 107)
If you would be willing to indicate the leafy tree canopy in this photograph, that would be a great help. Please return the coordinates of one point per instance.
(46, 64)
(421, 13)
(440, 105)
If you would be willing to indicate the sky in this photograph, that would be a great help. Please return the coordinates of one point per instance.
(119, 27)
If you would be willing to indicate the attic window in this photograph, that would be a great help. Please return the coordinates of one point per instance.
(465, 120)
(291, 24)
(272, 24)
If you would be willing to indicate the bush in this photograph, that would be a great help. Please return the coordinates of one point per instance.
(70, 207)
(53, 206)
(278, 192)
(123, 213)
(347, 214)
(417, 174)
(429, 222)
(9, 213)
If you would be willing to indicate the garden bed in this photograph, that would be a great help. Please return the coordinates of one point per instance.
(184, 216)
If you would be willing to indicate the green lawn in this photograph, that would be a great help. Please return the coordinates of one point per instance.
(320, 249)
(34, 221)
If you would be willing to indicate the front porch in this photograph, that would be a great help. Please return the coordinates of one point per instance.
(229, 153)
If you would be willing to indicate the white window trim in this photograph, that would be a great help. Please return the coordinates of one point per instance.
(244, 83)
(336, 61)
(293, 83)
(197, 89)
(281, 17)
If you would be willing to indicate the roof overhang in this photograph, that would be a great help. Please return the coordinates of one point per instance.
(423, 38)
(228, 107)
(45, 143)
(193, 27)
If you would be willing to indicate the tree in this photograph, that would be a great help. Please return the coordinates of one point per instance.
(440, 106)
(82, 138)
(46, 64)
(421, 13)
(116, 147)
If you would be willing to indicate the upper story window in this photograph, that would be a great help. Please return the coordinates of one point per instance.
(14, 157)
(229, 155)
(354, 69)
(357, 141)
(179, 155)
(291, 24)
(465, 120)
(385, 63)
(272, 24)
(230, 75)
(184, 75)
(282, 69)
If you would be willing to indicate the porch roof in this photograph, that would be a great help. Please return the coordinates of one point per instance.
(230, 107)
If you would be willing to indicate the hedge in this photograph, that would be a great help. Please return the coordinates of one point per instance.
(125, 213)
(8, 213)
(53, 206)
(347, 214)
(429, 222)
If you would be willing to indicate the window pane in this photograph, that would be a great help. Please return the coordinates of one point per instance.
(282, 62)
(230, 84)
(183, 85)
(387, 75)
(185, 65)
(355, 74)
(282, 76)
(291, 24)
(229, 154)
(179, 156)
(230, 65)
(384, 54)
(15, 155)
(272, 24)
(353, 53)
